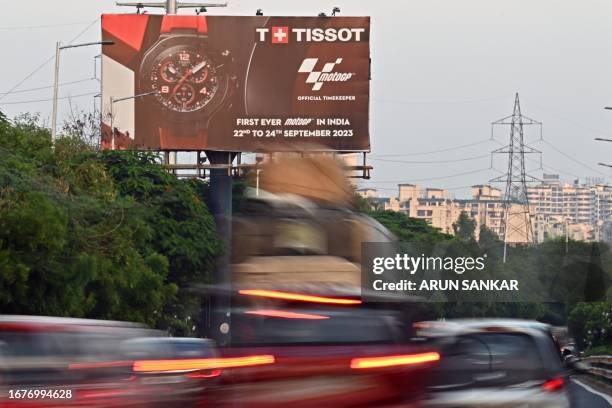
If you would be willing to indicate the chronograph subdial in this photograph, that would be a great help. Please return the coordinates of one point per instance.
(184, 94)
(169, 71)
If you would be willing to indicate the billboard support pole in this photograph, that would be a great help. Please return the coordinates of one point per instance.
(171, 7)
(220, 202)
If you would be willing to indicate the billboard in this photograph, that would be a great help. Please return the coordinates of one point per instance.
(235, 83)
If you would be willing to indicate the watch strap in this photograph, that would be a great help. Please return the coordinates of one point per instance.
(176, 22)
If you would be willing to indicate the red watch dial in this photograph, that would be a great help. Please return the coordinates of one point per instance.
(185, 79)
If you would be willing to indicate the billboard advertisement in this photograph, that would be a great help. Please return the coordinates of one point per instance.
(235, 83)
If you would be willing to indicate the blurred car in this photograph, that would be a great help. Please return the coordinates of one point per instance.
(77, 357)
(170, 370)
(296, 287)
(324, 349)
(496, 363)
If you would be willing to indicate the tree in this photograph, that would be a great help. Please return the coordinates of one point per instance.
(465, 227)
(362, 204)
(591, 324)
(96, 234)
(408, 229)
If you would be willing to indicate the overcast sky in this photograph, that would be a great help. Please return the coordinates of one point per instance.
(443, 70)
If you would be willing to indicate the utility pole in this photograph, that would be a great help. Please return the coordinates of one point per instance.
(58, 48)
(55, 93)
(519, 220)
(566, 235)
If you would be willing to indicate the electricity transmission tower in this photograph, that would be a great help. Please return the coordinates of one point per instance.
(516, 224)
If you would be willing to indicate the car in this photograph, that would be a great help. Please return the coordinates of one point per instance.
(320, 348)
(78, 358)
(170, 371)
(496, 362)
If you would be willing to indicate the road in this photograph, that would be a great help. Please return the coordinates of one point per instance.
(587, 397)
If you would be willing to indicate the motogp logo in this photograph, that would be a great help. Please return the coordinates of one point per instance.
(326, 74)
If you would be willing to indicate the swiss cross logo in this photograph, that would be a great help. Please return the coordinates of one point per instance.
(280, 35)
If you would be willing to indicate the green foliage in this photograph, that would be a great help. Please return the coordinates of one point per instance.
(591, 324)
(408, 229)
(98, 234)
(488, 240)
(599, 351)
(465, 227)
(362, 204)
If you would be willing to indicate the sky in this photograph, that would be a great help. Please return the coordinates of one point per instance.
(442, 71)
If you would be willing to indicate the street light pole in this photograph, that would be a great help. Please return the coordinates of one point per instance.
(55, 93)
(58, 48)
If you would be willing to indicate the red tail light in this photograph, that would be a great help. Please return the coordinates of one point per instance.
(286, 315)
(211, 374)
(296, 296)
(555, 384)
(200, 364)
(392, 361)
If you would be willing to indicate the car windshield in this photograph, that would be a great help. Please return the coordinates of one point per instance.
(490, 359)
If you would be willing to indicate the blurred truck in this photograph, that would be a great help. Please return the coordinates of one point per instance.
(296, 300)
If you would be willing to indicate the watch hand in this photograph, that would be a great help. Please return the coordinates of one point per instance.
(180, 82)
(198, 67)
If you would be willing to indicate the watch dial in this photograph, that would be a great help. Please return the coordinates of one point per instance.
(185, 79)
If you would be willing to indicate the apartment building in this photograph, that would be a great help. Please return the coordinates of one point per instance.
(581, 212)
(441, 211)
(586, 207)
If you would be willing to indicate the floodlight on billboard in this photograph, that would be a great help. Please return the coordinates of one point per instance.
(236, 83)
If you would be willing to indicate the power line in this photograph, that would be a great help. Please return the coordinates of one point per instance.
(50, 99)
(434, 178)
(432, 161)
(574, 160)
(566, 155)
(42, 26)
(49, 86)
(547, 167)
(447, 149)
(561, 116)
(41, 66)
(446, 188)
(450, 102)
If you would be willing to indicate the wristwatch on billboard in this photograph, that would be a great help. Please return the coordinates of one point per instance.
(193, 82)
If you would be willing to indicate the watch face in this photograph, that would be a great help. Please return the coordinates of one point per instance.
(185, 79)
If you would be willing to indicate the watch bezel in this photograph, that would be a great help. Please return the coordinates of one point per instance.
(199, 44)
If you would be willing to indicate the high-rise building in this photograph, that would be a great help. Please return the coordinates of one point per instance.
(575, 203)
(578, 211)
